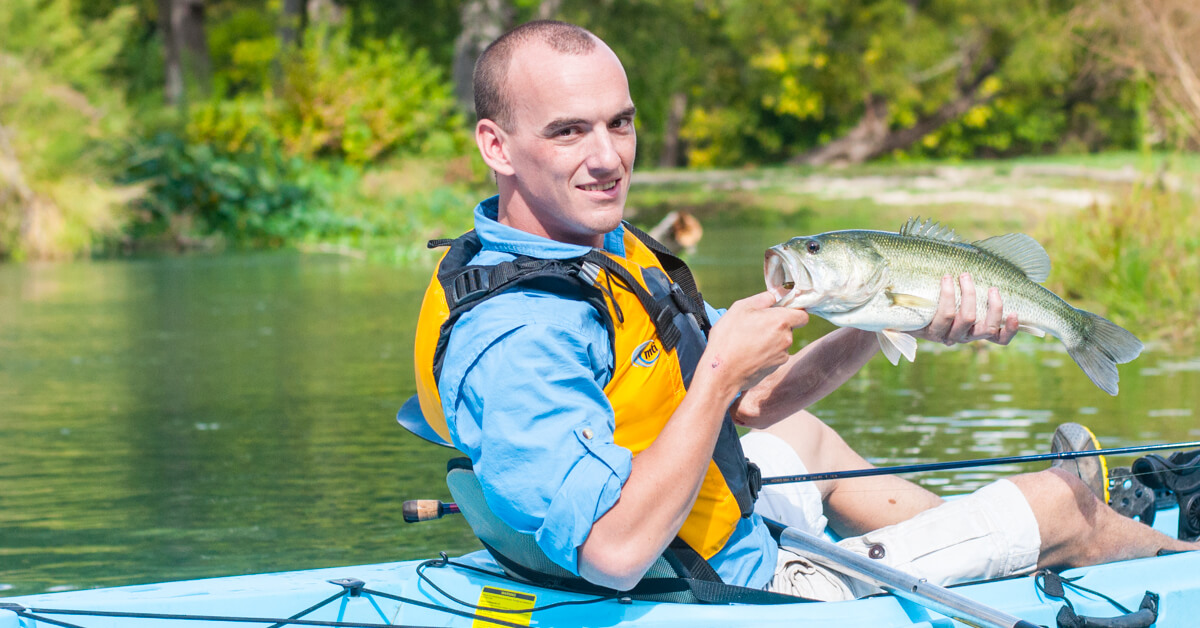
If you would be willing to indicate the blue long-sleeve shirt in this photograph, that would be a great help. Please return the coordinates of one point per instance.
(523, 377)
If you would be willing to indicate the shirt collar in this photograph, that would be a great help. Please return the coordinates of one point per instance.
(499, 237)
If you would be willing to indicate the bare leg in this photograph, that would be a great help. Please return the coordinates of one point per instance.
(854, 506)
(1078, 529)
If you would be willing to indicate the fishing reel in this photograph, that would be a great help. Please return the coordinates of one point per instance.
(1130, 497)
(1180, 475)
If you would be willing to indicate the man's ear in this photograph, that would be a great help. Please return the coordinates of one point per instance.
(493, 146)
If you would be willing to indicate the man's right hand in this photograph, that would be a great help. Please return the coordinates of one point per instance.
(750, 341)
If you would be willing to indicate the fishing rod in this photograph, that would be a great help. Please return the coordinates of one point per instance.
(969, 464)
(418, 510)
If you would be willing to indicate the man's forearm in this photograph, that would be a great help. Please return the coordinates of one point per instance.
(812, 373)
(658, 495)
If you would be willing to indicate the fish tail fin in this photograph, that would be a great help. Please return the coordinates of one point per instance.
(1103, 347)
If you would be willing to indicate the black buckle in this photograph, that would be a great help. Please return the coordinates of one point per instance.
(753, 479)
(682, 300)
(472, 283)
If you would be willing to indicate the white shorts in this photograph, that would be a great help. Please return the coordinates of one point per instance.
(990, 533)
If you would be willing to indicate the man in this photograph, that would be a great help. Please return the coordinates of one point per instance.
(539, 388)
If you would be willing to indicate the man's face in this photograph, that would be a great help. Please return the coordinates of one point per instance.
(570, 145)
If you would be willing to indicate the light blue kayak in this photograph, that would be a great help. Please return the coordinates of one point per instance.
(437, 593)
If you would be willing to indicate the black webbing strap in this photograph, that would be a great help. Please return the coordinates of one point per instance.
(465, 286)
(691, 562)
(663, 317)
(678, 271)
(705, 591)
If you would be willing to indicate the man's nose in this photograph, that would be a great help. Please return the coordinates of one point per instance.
(605, 155)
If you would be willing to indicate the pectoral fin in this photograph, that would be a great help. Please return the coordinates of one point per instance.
(896, 344)
(900, 299)
(1032, 330)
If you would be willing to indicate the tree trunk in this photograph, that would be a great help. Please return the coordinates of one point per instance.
(672, 152)
(173, 86)
(483, 21)
(16, 199)
(857, 146)
(292, 21)
(186, 57)
(291, 24)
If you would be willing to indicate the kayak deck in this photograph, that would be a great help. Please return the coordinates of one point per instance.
(396, 594)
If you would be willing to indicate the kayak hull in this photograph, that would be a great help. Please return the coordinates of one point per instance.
(231, 601)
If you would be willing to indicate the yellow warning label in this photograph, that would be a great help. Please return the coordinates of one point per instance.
(504, 605)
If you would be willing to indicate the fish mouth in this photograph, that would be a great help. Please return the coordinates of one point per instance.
(786, 278)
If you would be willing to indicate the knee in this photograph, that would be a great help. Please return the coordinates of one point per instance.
(1061, 494)
(1068, 515)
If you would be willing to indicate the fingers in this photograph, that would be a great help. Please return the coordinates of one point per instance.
(956, 320)
(764, 301)
(943, 316)
(1009, 331)
(752, 339)
(963, 327)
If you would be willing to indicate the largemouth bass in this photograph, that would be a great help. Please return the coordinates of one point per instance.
(889, 283)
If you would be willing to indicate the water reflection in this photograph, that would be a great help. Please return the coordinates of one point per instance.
(180, 418)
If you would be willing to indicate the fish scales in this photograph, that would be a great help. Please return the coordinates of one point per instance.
(930, 260)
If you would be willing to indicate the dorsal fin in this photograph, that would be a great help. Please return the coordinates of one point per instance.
(928, 228)
(1021, 251)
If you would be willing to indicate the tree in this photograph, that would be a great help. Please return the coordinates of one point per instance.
(1157, 41)
(826, 80)
(186, 60)
(292, 23)
(483, 21)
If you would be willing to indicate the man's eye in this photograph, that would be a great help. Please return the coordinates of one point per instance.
(566, 132)
(621, 123)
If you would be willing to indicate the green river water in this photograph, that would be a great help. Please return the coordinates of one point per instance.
(201, 416)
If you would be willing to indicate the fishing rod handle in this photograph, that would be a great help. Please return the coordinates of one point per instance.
(417, 510)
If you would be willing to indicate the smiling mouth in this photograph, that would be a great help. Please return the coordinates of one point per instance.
(599, 187)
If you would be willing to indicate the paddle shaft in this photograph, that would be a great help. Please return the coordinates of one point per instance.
(931, 596)
(968, 464)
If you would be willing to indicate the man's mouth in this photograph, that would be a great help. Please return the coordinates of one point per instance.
(599, 187)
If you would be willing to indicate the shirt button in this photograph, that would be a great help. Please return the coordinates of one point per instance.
(587, 433)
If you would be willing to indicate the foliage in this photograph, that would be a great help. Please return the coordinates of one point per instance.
(257, 196)
(768, 80)
(1155, 42)
(367, 93)
(1139, 257)
(58, 110)
(201, 195)
(358, 104)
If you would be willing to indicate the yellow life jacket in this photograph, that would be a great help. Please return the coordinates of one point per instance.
(657, 328)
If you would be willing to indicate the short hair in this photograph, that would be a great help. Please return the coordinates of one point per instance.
(491, 69)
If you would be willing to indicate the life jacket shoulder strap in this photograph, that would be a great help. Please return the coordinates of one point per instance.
(466, 286)
(679, 273)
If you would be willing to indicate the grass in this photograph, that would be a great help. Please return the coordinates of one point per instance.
(1138, 260)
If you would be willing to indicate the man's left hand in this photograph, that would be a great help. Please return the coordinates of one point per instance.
(951, 325)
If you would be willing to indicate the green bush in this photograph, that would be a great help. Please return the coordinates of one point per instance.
(1134, 261)
(358, 103)
(257, 196)
(58, 110)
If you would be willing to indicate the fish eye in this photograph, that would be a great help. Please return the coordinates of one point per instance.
(812, 246)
